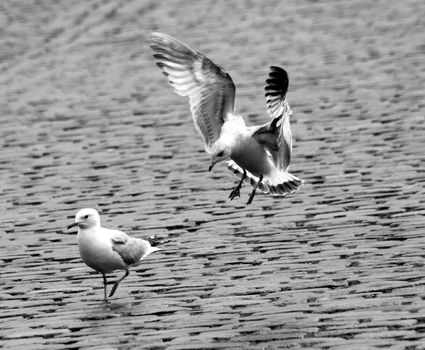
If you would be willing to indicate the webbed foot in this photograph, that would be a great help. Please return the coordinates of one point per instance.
(235, 193)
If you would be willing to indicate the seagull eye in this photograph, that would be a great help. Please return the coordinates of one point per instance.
(220, 154)
(86, 216)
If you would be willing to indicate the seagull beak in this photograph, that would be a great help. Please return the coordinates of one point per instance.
(72, 225)
(211, 165)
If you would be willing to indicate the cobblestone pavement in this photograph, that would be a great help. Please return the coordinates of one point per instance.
(87, 120)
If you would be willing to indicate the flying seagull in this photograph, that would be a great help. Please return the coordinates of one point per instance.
(259, 155)
(106, 250)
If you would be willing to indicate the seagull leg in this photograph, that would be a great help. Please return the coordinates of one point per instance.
(235, 192)
(105, 282)
(251, 197)
(114, 287)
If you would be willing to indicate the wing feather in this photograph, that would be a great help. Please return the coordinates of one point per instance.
(276, 89)
(130, 249)
(276, 135)
(210, 89)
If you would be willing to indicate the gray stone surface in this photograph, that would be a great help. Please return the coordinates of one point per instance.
(87, 120)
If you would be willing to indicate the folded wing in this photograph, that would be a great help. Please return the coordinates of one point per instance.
(131, 250)
(210, 89)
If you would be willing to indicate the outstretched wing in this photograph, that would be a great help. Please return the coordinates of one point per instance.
(276, 135)
(276, 89)
(210, 89)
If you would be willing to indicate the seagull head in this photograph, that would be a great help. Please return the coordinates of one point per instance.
(86, 218)
(219, 153)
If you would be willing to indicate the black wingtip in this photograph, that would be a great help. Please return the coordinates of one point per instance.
(278, 70)
(278, 73)
(155, 240)
(277, 82)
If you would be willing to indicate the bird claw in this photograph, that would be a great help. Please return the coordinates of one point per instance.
(234, 193)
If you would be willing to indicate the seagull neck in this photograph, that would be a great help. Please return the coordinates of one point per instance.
(231, 137)
(233, 129)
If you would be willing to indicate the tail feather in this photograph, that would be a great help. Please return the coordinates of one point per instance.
(281, 184)
(150, 245)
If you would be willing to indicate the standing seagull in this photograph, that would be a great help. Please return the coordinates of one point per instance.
(106, 250)
(260, 154)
